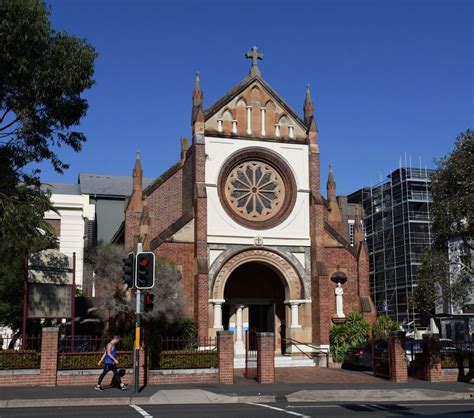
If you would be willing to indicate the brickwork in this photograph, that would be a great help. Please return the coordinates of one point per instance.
(265, 357)
(201, 289)
(182, 254)
(432, 358)
(204, 376)
(165, 203)
(397, 357)
(49, 357)
(225, 347)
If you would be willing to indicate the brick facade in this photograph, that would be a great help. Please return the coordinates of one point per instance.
(180, 194)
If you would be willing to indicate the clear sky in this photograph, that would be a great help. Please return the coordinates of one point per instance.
(387, 77)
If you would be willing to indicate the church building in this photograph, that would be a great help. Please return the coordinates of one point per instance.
(243, 217)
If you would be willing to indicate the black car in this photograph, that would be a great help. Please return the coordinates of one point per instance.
(360, 357)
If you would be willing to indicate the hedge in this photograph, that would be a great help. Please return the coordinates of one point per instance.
(79, 361)
(186, 359)
(19, 359)
(448, 360)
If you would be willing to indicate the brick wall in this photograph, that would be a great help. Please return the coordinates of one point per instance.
(49, 357)
(182, 254)
(265, 357)
(225, 347)
(397, 357)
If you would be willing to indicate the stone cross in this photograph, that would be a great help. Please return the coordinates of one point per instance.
(254, 55)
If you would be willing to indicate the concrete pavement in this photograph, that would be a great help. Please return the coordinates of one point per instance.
(235, 394)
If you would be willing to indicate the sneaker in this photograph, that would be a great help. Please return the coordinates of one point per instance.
(123, 386)
(98, 388)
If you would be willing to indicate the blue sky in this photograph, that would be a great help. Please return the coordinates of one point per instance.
(387, 77)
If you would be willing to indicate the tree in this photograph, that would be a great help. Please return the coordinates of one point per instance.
(117, 302)
(440, 279)
(43, 73)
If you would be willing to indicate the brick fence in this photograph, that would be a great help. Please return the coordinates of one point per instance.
(49, 375)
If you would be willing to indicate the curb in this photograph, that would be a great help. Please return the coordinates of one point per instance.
(297, 397)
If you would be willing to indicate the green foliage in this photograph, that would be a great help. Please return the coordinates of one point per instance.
(452, 187)
(80, 361)
(383, 325)
(19, 359)
(43, 73)
(188, 359)
(42, 76)
(355, 331)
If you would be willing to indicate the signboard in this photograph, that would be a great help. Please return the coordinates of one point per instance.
(50, 267)
(50, 283)
(49, 301)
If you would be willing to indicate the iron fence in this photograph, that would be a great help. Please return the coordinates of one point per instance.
(85, 351)
(185, 353)
(251, 354)
(18, 352)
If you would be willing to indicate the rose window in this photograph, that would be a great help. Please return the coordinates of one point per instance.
(255, 191)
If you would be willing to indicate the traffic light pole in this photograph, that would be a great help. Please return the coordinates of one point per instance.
(137, 332)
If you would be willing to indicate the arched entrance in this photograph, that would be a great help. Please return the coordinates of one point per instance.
(254, 297)
(259, 289)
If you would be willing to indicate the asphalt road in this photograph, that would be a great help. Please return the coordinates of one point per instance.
(427, 409)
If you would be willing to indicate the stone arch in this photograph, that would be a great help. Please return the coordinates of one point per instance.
(227, 118)
(294, 288)
(284, 123)
(241, 115)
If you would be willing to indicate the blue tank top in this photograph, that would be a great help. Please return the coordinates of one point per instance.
(108, 359)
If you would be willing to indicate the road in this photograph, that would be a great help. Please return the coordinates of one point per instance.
(453, 409)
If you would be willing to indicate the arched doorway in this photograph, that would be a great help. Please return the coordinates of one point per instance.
(259, 288)
(254, 297)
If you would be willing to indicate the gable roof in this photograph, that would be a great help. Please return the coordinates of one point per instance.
(240, 87)
(100, 184)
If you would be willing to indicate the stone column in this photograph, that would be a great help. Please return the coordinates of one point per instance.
(217, 313)
(49, 357)
(295, 320)
(262, 118)
(265, 357)
(225, 352)
(239, 331)
(249, 120)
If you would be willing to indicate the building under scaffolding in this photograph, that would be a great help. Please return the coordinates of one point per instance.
(398, 227)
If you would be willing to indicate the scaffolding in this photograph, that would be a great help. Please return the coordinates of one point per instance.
(398, 227)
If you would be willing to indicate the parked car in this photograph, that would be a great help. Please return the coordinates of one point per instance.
(360, 357)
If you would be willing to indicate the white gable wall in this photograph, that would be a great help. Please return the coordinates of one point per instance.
(221, 228)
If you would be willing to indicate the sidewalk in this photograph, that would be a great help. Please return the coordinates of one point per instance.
(237, 393)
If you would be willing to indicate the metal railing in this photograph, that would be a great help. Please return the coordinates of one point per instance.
(314, 349)
(18, 352)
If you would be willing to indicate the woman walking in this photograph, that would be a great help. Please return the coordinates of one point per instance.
(110, 364)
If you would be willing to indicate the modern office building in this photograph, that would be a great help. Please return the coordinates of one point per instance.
(397, 228)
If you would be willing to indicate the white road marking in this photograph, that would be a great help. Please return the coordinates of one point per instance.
(278, 409)
(141, 411)
(379, 404)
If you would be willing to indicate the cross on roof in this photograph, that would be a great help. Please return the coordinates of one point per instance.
(254, 55)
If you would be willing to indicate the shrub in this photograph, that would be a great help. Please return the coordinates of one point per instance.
(19, 359)
(80, 361)
(184, 359)
(355, 331)
(383, 325)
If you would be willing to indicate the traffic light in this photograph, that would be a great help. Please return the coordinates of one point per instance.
(145, 270)
(148, 305)
(128, 267)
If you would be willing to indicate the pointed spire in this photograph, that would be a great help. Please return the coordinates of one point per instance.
(308, 107)
(137, 173)
(184, 147)
(197, 116)
(331, 184)
(135, 204)
(197, 92)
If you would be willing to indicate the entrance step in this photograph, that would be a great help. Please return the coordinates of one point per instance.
(280, 361)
